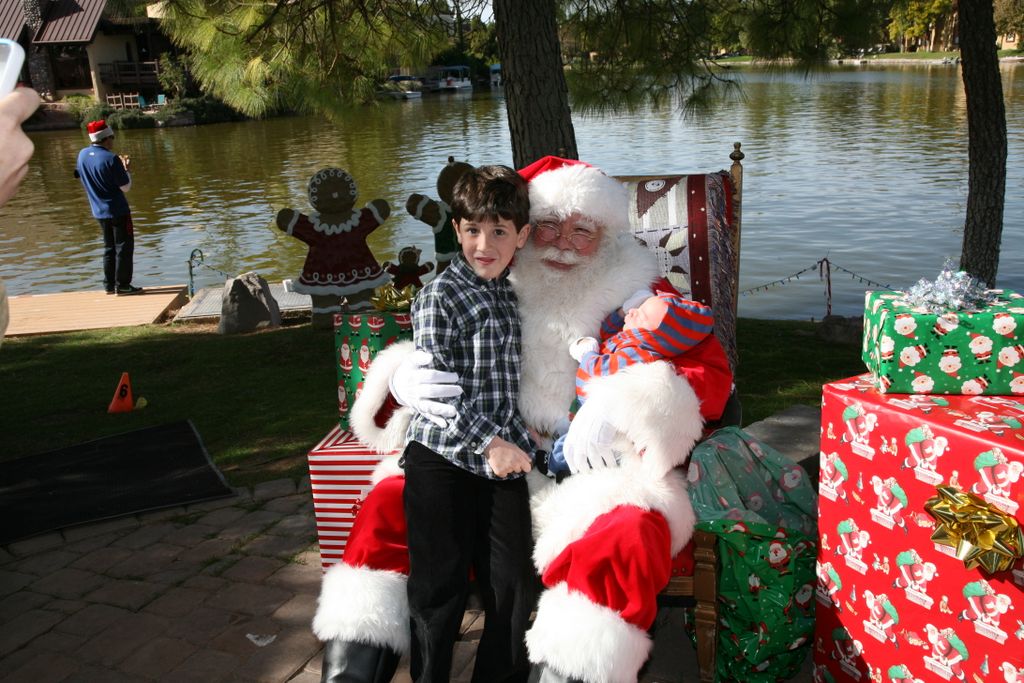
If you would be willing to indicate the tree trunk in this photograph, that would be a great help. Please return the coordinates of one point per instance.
(536, 96)
(986, 141)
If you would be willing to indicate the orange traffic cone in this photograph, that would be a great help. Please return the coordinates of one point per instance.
(122, 401)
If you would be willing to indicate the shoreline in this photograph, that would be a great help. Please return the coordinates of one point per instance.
(53, 116)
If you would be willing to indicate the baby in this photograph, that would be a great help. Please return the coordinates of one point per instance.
(663, 327)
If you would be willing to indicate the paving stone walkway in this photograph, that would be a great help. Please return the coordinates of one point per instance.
(219, 591)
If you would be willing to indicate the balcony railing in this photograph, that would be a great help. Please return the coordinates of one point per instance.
(130, 73)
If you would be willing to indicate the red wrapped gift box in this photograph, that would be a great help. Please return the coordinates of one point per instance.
(892, 603)
(340, 468)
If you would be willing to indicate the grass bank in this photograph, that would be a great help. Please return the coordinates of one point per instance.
(260, 401)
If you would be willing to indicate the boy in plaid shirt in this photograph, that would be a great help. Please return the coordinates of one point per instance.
(465, 498)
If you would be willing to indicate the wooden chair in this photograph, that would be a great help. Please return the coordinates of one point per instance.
(131, 100)
(693, 223)
(115, 100)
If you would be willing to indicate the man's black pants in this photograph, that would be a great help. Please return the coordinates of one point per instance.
(459, 520)
(118, 249)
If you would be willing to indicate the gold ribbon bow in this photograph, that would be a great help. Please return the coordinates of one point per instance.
(980, 533)
(387, 298)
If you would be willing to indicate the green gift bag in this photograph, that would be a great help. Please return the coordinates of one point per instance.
(763, 509)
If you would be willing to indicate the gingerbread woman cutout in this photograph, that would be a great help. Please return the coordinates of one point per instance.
(339, 264)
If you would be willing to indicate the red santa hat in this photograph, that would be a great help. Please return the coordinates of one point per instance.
(98, 130)
(561, 187)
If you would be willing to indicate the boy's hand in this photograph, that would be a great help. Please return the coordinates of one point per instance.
(582, 346)
(505, 457)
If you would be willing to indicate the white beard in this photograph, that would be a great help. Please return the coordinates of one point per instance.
(558, 306)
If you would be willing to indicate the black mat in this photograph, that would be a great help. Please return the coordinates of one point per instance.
(119, 475)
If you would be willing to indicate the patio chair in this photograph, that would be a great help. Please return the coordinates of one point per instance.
(131, 100)
(115, 101)
(693, 223)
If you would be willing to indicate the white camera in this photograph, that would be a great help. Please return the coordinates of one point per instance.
(12, 56)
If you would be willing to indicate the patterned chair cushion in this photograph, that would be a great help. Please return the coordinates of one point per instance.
(688, 221)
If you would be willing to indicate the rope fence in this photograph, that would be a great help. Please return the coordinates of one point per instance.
(824, 267)
(195, 260)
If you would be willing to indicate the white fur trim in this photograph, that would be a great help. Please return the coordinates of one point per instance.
(580, 639)
(583, 190)
(101, 134)
(654, 409)
(388, 467)
(365, 606)
(375, 391)
(557, 307)
(563, 513)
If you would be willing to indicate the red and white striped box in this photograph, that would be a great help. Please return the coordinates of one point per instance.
(340, 468)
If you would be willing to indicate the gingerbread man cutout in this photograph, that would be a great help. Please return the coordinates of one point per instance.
(437, 213)
(408, 270)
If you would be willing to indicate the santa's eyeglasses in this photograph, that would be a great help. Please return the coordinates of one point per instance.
(550, 231)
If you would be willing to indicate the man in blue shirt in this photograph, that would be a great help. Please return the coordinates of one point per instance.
(105, 178)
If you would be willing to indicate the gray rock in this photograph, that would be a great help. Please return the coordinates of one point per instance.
(247, 305)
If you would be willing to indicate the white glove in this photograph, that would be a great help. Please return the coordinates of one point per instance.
(414, 383)
(636, 298)
(588, 445)
(581, 346)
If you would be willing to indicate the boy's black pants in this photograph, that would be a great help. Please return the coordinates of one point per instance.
(457, 520)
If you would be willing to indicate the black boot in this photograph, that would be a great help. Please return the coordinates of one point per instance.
(349, 662)
(542, 673)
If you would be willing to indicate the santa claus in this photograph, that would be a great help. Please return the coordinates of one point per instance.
(606, 536)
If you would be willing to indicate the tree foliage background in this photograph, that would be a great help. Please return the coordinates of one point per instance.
(320, 55)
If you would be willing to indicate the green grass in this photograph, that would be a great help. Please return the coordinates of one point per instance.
(261, 401)
(784, 363)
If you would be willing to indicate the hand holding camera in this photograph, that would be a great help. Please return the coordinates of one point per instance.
(15, 107)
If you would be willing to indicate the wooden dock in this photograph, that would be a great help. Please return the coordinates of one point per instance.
(72, 311)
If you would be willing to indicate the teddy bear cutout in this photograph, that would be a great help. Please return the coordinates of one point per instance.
(339, 263)
(437, 213)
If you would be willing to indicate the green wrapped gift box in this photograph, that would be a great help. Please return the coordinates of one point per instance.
(358, 337)
(909, 351)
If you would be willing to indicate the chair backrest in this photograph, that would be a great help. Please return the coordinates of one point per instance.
(693, 223)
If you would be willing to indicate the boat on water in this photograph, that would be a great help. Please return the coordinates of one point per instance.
(402, 87)
(448, 79)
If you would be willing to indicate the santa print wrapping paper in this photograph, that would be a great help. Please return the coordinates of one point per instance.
(957, 352)
(340, 469)
(892, 603)
(357, 340)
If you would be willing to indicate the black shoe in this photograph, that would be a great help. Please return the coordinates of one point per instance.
(349, 662)
(125, 290)
(110, 291)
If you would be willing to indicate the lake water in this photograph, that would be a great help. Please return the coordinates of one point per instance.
(865, 165)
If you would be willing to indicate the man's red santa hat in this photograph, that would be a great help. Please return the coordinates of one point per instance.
(98, 130)
(561, 187)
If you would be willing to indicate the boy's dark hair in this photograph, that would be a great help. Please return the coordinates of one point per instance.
(490, 193)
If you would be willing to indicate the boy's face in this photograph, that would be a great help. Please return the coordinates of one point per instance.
(647, 316)
(489, 246)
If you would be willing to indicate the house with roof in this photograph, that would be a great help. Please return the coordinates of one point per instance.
(77, 47)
